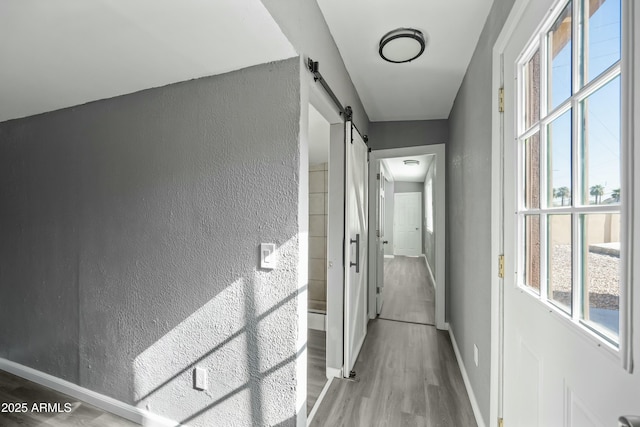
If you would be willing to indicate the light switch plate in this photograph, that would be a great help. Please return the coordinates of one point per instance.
(200, 379)
(268, 255)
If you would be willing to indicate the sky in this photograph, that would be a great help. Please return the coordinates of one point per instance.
(603, 112)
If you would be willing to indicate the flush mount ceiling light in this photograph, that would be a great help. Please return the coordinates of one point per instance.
(402, 45)
(411, 162)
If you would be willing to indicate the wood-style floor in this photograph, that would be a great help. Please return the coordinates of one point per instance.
(14, 389)
(407, 374)
(316, 366)
(408, 294)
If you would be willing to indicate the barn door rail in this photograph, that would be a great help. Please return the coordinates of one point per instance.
(314, 67)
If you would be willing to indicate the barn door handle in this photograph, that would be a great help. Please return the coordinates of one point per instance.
(357, 263)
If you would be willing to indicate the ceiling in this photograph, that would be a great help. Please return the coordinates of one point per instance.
(61, 53)
(401, 172)
(418, 90)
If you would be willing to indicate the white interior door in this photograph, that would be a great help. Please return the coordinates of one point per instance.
(380, 218)
(356, 216)
(407, 224)
(566, 345)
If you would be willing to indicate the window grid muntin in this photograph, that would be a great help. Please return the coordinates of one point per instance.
(587, 90)
(579, 93)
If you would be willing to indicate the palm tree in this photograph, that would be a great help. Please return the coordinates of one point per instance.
(615, 195)
(597, 191)
(563, 192)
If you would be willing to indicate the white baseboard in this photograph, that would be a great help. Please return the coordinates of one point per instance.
(317, 321)
(389, 256)
(467, 384)
(101, 401)
(316, 405)
(433, 279)
(334, 373)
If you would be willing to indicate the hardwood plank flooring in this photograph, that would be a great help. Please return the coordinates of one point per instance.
(408, 293)
(14, 389)
(316, 365)
(407, 376)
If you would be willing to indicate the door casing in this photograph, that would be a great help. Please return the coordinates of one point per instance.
(439, 221)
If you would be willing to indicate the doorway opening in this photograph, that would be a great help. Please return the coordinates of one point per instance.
(325, 143)
(318, 139)
(406, 227)
(406, 247)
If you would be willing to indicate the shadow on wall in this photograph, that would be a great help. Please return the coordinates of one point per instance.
(239, 367)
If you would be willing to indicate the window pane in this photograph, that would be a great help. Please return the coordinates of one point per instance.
(601, 271)
(559, 273)
(559, 161)
(532, 252)
(601, 145)
(601, 34)
(532, 90)
(559, 41)
(532, 172)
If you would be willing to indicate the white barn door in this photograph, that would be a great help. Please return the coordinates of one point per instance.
(356, 218)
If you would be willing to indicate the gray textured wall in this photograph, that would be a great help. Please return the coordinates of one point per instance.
(407, 187)
(408, 133)
(130, 231)
(469, 209)
(304, 25)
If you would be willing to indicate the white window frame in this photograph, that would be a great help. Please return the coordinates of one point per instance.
(620, 348)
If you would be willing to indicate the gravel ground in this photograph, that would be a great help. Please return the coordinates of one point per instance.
(604, 278)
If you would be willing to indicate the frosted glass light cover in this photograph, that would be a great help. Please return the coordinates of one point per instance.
(402, 45)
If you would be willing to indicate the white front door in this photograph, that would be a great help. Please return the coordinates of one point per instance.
(407, 224)
(567, 336)
(356, 217)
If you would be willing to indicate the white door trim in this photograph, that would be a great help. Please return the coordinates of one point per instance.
(495, 381)
(440, 219)
(333, 321)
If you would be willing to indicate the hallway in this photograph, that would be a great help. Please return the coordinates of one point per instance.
(408, 294)
(407, 374)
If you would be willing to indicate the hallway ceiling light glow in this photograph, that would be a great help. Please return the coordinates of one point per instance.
(402, 45)
(411, 162)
